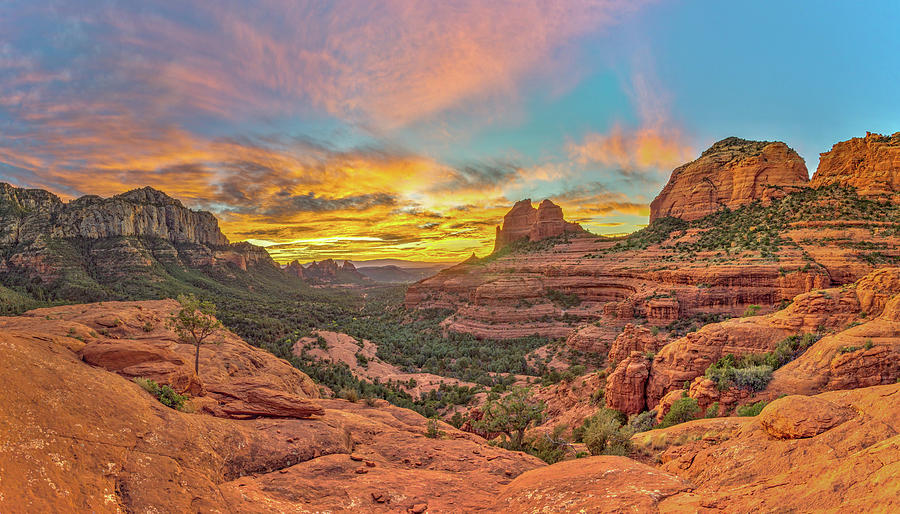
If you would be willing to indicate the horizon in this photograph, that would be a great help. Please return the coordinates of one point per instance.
(386, 132)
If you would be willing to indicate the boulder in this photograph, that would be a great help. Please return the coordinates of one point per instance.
(592, 484)
(796, 417)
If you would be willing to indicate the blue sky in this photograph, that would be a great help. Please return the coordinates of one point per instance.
(406, 129)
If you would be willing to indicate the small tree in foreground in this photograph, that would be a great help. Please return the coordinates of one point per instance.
(512, 415)
(194, 323)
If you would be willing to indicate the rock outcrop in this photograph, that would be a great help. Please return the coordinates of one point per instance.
(109, 239)
(329, 271)
(593, 484)
(523, 221)
(626, 385)
(837, 451)
(869, 164)
(76, 437)
(731, 173)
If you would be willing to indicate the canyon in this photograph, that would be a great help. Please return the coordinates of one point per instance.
(746, 264)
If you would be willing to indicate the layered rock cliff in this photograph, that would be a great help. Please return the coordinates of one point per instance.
(869, 164)
(731, 173)
(523, 221)
(84, 244)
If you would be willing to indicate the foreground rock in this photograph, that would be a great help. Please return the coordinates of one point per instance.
(75, 437)
(838, 451)
(731, 173)
(594, 484)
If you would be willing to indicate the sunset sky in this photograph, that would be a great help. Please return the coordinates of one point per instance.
(404, 129)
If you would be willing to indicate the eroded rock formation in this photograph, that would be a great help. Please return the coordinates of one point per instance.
(869, 164)
(731, 173)
(523, 221)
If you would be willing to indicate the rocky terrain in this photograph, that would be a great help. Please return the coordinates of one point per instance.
(84, 436)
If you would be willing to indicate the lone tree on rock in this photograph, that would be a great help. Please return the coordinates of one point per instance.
(194, 323)
(512, 415)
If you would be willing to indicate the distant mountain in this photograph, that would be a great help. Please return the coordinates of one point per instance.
(397, 275)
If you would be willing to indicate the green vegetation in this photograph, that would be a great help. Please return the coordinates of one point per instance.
(758, 228)
(849, 349)
(432, 429)
(683, 409)
(730, 371)
(753, 371)
(642, 422)
(751, 409)
(165, 394)
(511, 416)
(563, 299)
(605, 433)
(194, 323)
(751, 310)
(550, 448)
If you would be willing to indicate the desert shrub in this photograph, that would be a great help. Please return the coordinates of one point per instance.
(713, 410)
(362, 360)
(512, 415)
(563, 299)
(751, 409)
(608, 437)
(598, 396)
(643, 421)
(751, 310)
(743, 373)
(603, 415)
(684, 409)
(550, 448)
(349, 395)
(432, 430)
(165, 394)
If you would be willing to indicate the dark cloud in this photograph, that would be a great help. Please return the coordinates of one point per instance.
(309, 202)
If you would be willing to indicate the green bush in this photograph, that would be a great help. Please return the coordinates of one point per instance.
(608, 437)
(165, 394)
(684, 409)
(742, 373)
(751, 409)
(432, 430)
(643, 421)
(752, 310)
(351, 395)
(713, 410)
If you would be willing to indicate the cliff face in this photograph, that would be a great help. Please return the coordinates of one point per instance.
(330, 271)
(731, 173)
(870, 164)
(30, 214)
(524, 221)
(93, 239)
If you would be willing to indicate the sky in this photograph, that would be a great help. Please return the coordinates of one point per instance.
(406, 129)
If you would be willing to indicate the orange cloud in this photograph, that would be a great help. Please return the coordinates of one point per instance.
(644, 148)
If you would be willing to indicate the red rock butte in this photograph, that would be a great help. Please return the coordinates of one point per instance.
(869, 164)
(731, 173)
(524, 221)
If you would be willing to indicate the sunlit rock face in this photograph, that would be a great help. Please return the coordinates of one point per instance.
(42, 236)
(731, 173)
(869, 164)
(523, 221)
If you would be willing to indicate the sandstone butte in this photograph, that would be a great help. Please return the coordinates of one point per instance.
(684, 272)
(523, 221)
(870, 164)
(84, 437)
(731, 173)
